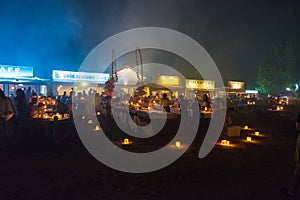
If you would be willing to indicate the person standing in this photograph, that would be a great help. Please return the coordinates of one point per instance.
(22, 117)
(290, 191)
(6, 113)
(165, 102)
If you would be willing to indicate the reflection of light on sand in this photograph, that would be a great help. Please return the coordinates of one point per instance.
(178, 147)
(251, 142)
(228, 146)
(261, 135)
(246, 128)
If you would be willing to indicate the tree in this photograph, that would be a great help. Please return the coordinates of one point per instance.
(277, 72)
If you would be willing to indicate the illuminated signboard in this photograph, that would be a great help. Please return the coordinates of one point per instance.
(200, 84)
(9, 71)
(68, 76)
(169, 80)
(237, 85)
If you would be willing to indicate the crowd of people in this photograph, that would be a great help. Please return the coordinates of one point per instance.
(19, 109)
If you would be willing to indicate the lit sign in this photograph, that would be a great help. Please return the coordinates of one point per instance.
(251, 91)
(169, 80)
(68, 76)
(236, 85)
(200, 84)
(9, 71)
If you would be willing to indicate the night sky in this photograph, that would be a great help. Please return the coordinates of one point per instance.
(52, 34)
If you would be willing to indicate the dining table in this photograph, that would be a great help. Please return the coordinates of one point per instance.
(53, 131)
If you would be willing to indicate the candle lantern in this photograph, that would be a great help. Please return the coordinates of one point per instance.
(256, 133)
(178, 144)
(246, 127)
(90, 121)
(97, 128)
(83, 117)
(98, 113)
(248, 139)
(126, 141)
(225, 142)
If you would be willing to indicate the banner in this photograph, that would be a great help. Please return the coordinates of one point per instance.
(237, 85)
(200, 84)
(68, 76)
(9, 71)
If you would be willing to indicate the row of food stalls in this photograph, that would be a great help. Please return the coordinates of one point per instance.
(156, 84)
(158, 81)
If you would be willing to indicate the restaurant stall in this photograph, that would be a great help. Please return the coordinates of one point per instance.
(172, 85)
(197, 88)
(89, 81)
(235, 89)
(21, 77)
(157, 82)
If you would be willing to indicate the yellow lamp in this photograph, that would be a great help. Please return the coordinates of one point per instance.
(225, 142)
(248, 139)
(98, 113)
(256, 133)
(246, 127)
(126, 141)
(97, 128)
(177, 144)
(277, 108)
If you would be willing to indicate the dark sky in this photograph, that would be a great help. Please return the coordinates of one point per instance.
(52, 34)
